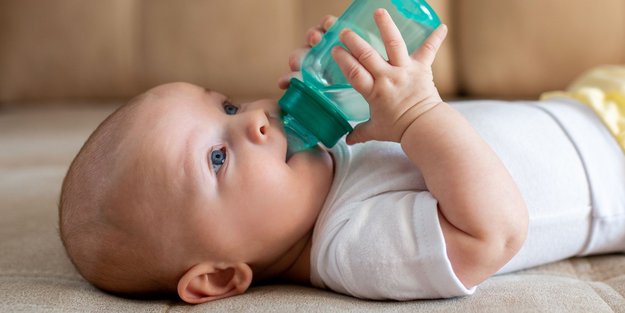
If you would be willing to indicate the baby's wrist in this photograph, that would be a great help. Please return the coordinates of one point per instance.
(411, 116)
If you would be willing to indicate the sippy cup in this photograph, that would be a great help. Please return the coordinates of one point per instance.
(319, 107)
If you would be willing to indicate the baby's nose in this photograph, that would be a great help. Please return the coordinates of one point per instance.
(258, 125)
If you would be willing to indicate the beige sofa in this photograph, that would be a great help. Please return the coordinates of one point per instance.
(66, 64)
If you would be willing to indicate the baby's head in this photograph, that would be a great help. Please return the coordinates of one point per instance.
(182, 192)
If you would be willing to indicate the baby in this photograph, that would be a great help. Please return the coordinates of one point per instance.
(182, 192)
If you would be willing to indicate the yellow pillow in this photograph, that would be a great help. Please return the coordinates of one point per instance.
(603, 90)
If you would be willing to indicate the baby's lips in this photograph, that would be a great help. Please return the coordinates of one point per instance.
(275, 120)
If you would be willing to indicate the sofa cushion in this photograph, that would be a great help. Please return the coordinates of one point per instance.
(71, 49)
(519, 49)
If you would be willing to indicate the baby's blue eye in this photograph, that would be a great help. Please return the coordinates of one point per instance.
(218, 157)
(230, 108)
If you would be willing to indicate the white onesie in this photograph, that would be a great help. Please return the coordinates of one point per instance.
(378, 234)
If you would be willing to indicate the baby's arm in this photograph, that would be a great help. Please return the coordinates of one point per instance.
(482, 214)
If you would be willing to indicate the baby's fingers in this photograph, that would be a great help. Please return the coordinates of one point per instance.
(296, 57)
(356, 74)
(363, 52)
(314, 34)
(361, 133)
(284, 81)
(393, 41)
(327, 22)
(427, 51)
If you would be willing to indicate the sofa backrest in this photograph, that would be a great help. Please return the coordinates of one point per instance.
(77, 49)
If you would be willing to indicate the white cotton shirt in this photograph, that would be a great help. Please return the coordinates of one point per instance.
(378, 235)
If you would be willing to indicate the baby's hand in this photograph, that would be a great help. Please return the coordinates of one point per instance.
(313, 36)
(398, 90)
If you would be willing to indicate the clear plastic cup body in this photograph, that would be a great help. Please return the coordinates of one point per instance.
(414, 19)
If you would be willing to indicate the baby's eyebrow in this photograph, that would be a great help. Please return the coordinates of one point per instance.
(190, 162)
(226, 97)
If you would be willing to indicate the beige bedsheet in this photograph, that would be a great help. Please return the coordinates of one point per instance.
(36, 147)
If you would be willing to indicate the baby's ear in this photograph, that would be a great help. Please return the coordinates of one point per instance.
(207, 282)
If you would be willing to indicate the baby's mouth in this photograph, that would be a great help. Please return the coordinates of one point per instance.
(277, 119)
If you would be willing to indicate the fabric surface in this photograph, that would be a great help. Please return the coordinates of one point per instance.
(603, 90)
(36, 147)
(604, 164)
(519, 49)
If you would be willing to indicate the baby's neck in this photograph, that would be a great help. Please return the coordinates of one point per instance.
(293, 266)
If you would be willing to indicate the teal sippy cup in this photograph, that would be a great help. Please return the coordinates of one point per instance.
(319, 108)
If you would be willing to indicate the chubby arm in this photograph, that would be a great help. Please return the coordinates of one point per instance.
(482, 214)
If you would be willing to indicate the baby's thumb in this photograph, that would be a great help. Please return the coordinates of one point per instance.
(359, 134)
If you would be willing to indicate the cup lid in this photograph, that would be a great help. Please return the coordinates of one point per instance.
(314, 111)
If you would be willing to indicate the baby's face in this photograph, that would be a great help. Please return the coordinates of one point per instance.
(227, 164)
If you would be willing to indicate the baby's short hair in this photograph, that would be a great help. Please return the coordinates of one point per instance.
(106, 252)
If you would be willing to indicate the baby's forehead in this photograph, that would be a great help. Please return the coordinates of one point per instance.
(183, 90)
(166, 115)
(176, 88)
(180, 100)
(154, 108)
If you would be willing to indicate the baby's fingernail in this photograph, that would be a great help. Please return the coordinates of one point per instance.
(311, 38)
(328, 22)
(335, 49)
(380, 12)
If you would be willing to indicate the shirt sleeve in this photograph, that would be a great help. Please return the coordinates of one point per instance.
(390, 247)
